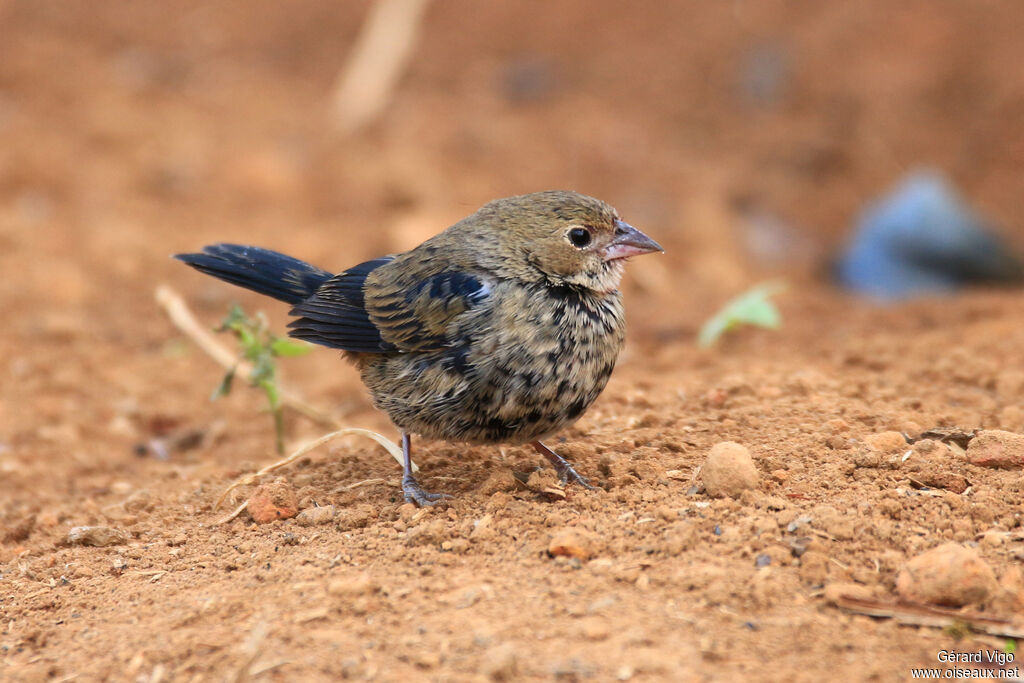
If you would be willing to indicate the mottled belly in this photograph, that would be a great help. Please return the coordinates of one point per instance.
(511, 383)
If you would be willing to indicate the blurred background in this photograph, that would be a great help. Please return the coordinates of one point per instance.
(742, 135)
(747, 137)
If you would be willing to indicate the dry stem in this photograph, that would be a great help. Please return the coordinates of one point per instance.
(378, 59)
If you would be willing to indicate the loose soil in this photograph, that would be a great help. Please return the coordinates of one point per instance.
(131, 133)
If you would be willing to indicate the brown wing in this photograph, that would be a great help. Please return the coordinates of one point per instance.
(414, 313)
(370, 309)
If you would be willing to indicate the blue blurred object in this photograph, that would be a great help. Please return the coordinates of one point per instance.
(923, 239)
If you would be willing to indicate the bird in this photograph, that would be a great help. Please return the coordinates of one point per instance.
(503, 328)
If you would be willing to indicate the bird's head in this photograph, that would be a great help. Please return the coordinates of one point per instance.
(563, 238)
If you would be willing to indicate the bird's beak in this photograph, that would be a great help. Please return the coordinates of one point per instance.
(629, 241)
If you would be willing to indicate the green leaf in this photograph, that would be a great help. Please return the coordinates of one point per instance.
(753, 307)
(287, 348)
(224, 388)
(236, 316)
(262, 370)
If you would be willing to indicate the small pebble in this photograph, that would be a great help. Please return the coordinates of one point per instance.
(483, 528)
(948, 481)
(502, 479)
(996, 448)
(500, 663)
(886, 442)
(729, 470)
(98, 536)
(595, 628)
(315, 515)
(993, 538)
(572, 543)
(272, 501)
(352, 585)
(950, 575)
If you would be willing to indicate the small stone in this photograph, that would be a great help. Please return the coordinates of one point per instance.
(140, 501)
(950, 575)
(352, 585)
(996, 448)
(98, 536)
(407, 510)
(836, 590)
(573, 543)
(993, 538)
(501, 479)
(927, 447)
(954, 483)
(428, 660)
(459, 546)
(838, 425)
(483, 528)
(118, 565)
(315, 515)
(500, 663)
(729, 470)
(595, 628)
(867, 458)
(272, 501)
(886, 442)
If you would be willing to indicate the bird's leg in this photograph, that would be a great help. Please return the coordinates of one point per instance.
(414, 493)
(565, 471)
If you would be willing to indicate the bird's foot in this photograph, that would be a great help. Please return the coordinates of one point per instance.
(414, 493)
(566, 473)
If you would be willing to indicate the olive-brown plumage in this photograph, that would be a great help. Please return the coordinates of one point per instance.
(503, 328)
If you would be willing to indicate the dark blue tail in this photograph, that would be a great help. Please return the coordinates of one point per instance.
(260, 270)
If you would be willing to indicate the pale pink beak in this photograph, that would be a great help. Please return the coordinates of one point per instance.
(629, 241)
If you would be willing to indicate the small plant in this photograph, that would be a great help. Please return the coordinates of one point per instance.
(261, 348)
(753, 307)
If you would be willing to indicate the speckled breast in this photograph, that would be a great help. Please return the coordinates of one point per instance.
(525, 365)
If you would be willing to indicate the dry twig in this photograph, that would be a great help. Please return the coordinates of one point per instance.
(378, 59)
(913, 614)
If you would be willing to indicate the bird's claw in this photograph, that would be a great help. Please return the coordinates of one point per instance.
(414, 493)
(565, 471)
(568, 475)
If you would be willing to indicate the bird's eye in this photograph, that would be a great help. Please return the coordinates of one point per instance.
(580, 237)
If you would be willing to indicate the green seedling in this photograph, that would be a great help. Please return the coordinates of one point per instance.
(753, 307)
(261, 348)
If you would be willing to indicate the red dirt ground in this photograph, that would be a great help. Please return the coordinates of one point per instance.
(130, 133)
